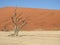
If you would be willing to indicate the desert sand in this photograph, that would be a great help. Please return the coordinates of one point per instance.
(35, 18)
(31, 38)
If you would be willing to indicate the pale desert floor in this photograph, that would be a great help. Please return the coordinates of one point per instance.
(31, 38)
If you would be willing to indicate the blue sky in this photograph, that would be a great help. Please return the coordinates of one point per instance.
(45, 4)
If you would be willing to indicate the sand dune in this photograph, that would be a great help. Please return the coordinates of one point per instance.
(36, 18)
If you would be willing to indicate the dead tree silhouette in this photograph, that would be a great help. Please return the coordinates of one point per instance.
(5, 24)
(5, 28)
(15, 19)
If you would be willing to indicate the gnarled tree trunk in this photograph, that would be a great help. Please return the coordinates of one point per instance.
(16, 30)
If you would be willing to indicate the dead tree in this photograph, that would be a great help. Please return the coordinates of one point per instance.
(5, 28)
(15, 19)
(6, 25)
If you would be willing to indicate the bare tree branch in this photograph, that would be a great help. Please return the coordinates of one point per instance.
(22, 24)
(20, 15)
(13, 20)
(20, 19)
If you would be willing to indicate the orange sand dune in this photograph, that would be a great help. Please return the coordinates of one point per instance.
(35, 18)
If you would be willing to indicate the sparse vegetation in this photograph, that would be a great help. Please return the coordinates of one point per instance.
(15, 20)
(5, 28)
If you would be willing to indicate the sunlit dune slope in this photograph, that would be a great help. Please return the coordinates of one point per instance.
(36, 18)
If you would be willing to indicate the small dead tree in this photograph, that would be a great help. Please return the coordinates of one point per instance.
(15, 19)
(5, 28)
(5, 25)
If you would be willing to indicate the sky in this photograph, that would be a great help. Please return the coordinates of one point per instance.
(44, 4)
